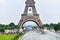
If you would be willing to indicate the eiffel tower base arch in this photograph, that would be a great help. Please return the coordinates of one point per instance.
(25, 19)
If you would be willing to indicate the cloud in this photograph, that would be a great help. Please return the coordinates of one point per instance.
(3, 1)
(49, 10)
(11, 11)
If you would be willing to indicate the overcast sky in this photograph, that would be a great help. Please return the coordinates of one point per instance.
(11, 10)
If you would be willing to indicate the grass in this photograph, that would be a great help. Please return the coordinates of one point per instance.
(19, 35)
(9, 36)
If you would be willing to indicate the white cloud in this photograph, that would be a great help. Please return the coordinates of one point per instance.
(2, 1)
(49, 10)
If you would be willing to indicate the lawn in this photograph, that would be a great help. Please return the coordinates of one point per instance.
(8, 36)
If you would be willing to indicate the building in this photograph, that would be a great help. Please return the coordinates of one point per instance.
(11, 31)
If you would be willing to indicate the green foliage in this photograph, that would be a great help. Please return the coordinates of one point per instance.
(17, 37)
(7, 36)
(53, 26)
(10, 36)
(10, 26)
(57, 27)
(42, 26)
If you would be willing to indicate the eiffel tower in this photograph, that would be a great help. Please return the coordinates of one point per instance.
(30, 14)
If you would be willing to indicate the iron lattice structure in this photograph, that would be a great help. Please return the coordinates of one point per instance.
(25, 17)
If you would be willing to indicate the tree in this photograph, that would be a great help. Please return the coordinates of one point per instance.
(11, 26)
(42, 26)
(57, 27)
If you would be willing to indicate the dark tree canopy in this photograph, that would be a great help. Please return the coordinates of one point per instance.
(9, 26)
